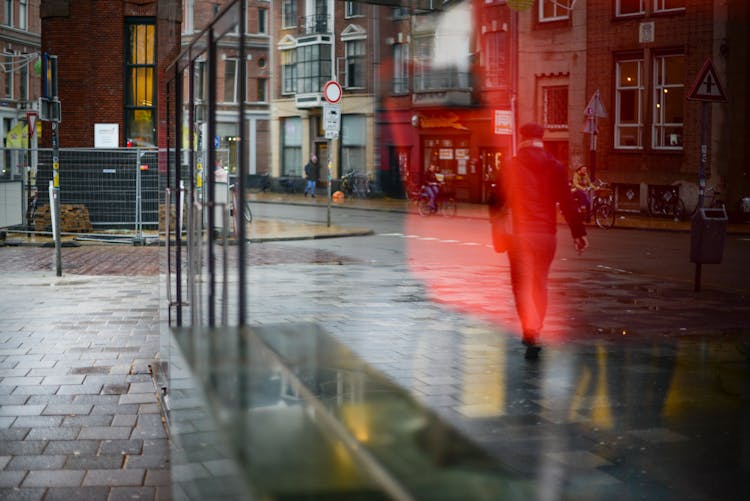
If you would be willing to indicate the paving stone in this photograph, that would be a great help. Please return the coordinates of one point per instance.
(11, 479)
(21, 410)
(115, 477)
(124, 420)
(94, 462)
(67, 409)
(17, 448)
(130, 493)
(105, 432)
(158, 477)
(53, 433)
(87, 421)
(36, 462)
(36, 390)
(80, 389)
(138, 398)
(54, 478)
(77, 494)
(121, 447)
(38, 421)
(114, 409)
(73, 447)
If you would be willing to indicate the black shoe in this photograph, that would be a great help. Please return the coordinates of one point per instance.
(532, 352)
(312, 196)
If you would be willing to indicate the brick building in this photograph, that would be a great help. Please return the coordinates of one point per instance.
(196, 16)
(20, 39)
(111, 60)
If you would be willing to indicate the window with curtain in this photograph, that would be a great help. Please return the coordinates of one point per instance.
(628, 105)
(291, 140)
(140, 81)
(353, 143)
(669, 98)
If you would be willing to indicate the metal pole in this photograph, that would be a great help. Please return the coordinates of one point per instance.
(56, 192)
(328, 189)
(701, 182)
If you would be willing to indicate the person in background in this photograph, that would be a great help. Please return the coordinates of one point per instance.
(534, 184)
(432, 184)
(582, 187)
(312, 168)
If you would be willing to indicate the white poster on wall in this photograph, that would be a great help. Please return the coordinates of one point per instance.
(106, 135)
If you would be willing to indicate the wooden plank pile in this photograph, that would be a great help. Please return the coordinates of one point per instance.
(74, 218)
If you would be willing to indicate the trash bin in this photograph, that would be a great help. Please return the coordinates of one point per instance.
(745, 209)
(707, 232)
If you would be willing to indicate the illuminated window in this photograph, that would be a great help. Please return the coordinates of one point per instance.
(669, 95)
(628, 115)
(140, 81)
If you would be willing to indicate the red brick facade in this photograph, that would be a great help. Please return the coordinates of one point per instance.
(88, 39)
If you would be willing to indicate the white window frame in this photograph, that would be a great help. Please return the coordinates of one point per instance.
(560, 12)
(8, 12)
(660, 6)
(660, 89)
(353, 9)
(638, 86)
(361, 60)
(619, 13)
(285, 14)
(400, 68)
(188, 25)
(286, 55)
(23, 15)
(235, 62)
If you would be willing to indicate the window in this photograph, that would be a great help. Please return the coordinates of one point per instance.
(23, 16)
(629, 7)
(400, 12)
(628, 120)
(669, 95)
(353, 143)
(553, 10)
(188, 23)
(422, 58)
(23, 76)
(288, 71)
(140, 70)
(291, 155)
(8, 13)
(290, 13)
(353, 9)
(556, 107)
(262, 84)
(400, 68)
(199, 80)
(355, 63)
(9, 78)
(262, 20)
(668, 5)
(230, 80)
(495, 64)
(313, 67)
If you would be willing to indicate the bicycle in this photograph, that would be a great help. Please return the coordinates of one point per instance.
(234, 196)
(666, 202)
(445, 203)
(354, 184)
(715, 201)
(603, 206)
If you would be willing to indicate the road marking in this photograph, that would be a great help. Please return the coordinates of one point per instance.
(610, 268)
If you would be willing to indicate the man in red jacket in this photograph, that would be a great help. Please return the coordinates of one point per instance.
(534, 184)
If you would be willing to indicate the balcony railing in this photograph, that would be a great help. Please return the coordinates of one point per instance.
(316, 24)
(440, 80)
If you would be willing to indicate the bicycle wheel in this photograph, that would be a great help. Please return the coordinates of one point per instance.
(247, 212)
(605, 216)
(450, 207)
(423, 205)
(677, 210)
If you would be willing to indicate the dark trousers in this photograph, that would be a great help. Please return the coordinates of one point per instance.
(530, 257)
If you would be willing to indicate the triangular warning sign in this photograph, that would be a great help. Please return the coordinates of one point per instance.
(707, 86)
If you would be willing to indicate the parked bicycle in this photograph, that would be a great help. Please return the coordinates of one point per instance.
(355, 184)
(234, 201)
(445, 203)
(711, 200)
(666, 202)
